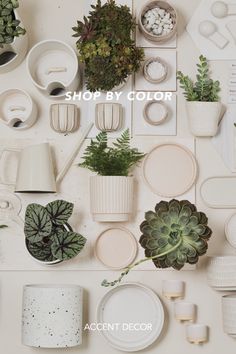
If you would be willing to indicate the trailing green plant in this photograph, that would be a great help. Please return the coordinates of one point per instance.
(204, 89)
(9, 25)
(3, 226)
(49, 237)
(106, 46)
(116, 160)
(172, 235)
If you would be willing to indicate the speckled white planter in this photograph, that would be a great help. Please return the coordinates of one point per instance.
(111, 198)
(229, 314)
(52, 316)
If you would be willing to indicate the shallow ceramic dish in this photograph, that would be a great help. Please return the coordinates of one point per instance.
(216, 192)
(53, 67)
(170, 170)
(131, 304)
(17, 109)
(155, 116)
(116, 248)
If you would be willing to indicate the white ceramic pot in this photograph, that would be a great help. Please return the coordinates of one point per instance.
(64, 118)
(204, 118)
(197, 333)
(52, 316)
(111, 198)
(221, 273)
(11, 55)
(229, 314)
(54, 68)
(109, 117)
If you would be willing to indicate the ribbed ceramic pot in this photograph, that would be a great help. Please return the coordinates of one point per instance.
(221, 272)
(52, 316)
(204, 118)
(229, 314)
(111, 198)
(11, 55)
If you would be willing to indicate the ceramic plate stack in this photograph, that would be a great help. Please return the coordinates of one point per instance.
(221, 273)
(229, 314)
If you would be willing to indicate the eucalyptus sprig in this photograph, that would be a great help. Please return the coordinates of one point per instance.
(116, 160)
(204, 89)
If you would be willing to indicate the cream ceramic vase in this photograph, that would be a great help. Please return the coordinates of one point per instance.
(52, 316)
(11, 55)
(204, 118)
(111, 198)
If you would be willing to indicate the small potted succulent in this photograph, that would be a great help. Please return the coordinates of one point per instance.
(111, 191)
(106, 46)
(203, 106)
(172, 235)
(49, 237)
(13, 38)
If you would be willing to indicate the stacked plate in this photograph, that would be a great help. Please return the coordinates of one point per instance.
(229, 314)
(221, 273)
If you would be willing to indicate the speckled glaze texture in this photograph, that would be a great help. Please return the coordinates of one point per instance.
(52, 316)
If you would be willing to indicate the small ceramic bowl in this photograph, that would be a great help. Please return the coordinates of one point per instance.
(163, 5)
(161, 65)
(159, 118)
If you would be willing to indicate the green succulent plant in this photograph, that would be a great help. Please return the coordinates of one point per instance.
(9, 25)
(204, 89)
(111, 161)
(172, 235)
(3, 226)
(106, 46)
(49, 237)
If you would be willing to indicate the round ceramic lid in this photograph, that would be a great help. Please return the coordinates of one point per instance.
(125, 307)
(230, 230)
(170, 170)
(116, 248)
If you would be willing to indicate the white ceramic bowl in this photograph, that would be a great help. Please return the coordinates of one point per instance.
(221, 272)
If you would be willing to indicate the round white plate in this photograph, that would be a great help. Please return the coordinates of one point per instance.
(170, 170)
(116, 248)
(230, 230)
(130, 304)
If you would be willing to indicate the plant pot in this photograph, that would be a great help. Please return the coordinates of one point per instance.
(12, 55)
(53, 68)
(109, 117)
(111, 198)
(52, 316)
(204, 118)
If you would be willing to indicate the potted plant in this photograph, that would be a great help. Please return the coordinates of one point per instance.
(172, 235)
(13, 41)
(49, 237)
(203, 106)
(106, 46)
(111, 191)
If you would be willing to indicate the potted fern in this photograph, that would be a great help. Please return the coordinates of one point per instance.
(13, 38)
(111, 191)
(203, 106)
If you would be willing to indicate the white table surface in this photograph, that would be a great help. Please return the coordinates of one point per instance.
(54, 19)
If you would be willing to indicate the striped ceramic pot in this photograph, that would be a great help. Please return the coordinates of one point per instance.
(111, 198)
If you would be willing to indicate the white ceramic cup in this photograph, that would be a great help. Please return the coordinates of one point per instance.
(173, 289)
(197, 333)
(52, 316)
(185, 311)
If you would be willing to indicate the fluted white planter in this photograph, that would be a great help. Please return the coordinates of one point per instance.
(52, 316)
(18, 48)
(111, 198)
(204, 118)
(229, 314)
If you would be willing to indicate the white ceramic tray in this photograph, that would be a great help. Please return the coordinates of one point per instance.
(170, 180)
(219, 192)
(131, 303)
(206, 46)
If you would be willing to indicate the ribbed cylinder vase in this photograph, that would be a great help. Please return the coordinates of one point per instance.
(52, 316)
(111, 198)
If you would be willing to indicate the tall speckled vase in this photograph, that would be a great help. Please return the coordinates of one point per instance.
(52, 316)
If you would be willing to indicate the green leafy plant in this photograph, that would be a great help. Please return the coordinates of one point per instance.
(49, 237)
(204, 89)
(106, 46)
(173, 235)
(111, 161)
(9, 25)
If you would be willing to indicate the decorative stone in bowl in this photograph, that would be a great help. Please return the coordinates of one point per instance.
(17, 109)
(53, 67)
